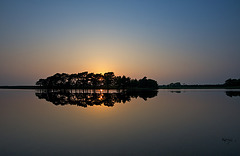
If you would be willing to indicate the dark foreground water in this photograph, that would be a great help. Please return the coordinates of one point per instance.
(170, 122)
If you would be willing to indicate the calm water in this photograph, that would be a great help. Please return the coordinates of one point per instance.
(170, 122)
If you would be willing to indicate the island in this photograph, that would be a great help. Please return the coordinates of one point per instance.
(87, 80)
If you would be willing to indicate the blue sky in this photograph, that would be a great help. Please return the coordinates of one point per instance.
(187, 41)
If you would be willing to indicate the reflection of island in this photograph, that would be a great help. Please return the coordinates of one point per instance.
(176, 91)
(233, 93)
(64, 97)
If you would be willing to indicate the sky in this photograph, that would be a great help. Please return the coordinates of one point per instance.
(192, 42)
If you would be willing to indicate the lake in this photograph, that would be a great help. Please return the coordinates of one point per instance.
(77, 122)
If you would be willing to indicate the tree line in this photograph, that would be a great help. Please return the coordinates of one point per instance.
(229, 83)
(232, 82)
(90, 80)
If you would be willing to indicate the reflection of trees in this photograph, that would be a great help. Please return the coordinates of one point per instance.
(232, 93)
(178, 91)
(64, 97)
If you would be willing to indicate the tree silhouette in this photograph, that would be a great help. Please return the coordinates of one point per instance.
(109, 79)
(91, 80)
(232, 82)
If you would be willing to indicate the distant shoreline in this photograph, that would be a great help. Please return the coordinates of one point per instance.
(41, 87)
(20, 87)
(160, 87)
(199, 87)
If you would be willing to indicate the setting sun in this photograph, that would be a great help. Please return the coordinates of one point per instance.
(119, 77)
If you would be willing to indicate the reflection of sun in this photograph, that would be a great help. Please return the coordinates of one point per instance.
(100, 97)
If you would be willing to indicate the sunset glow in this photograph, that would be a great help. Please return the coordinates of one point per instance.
(165, 41)
(119, 77)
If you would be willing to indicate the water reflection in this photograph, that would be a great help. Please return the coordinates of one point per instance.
(193, 122)
(176, 91)
(228, 140)
(228, 93)
(91, 98)
(232, 93)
